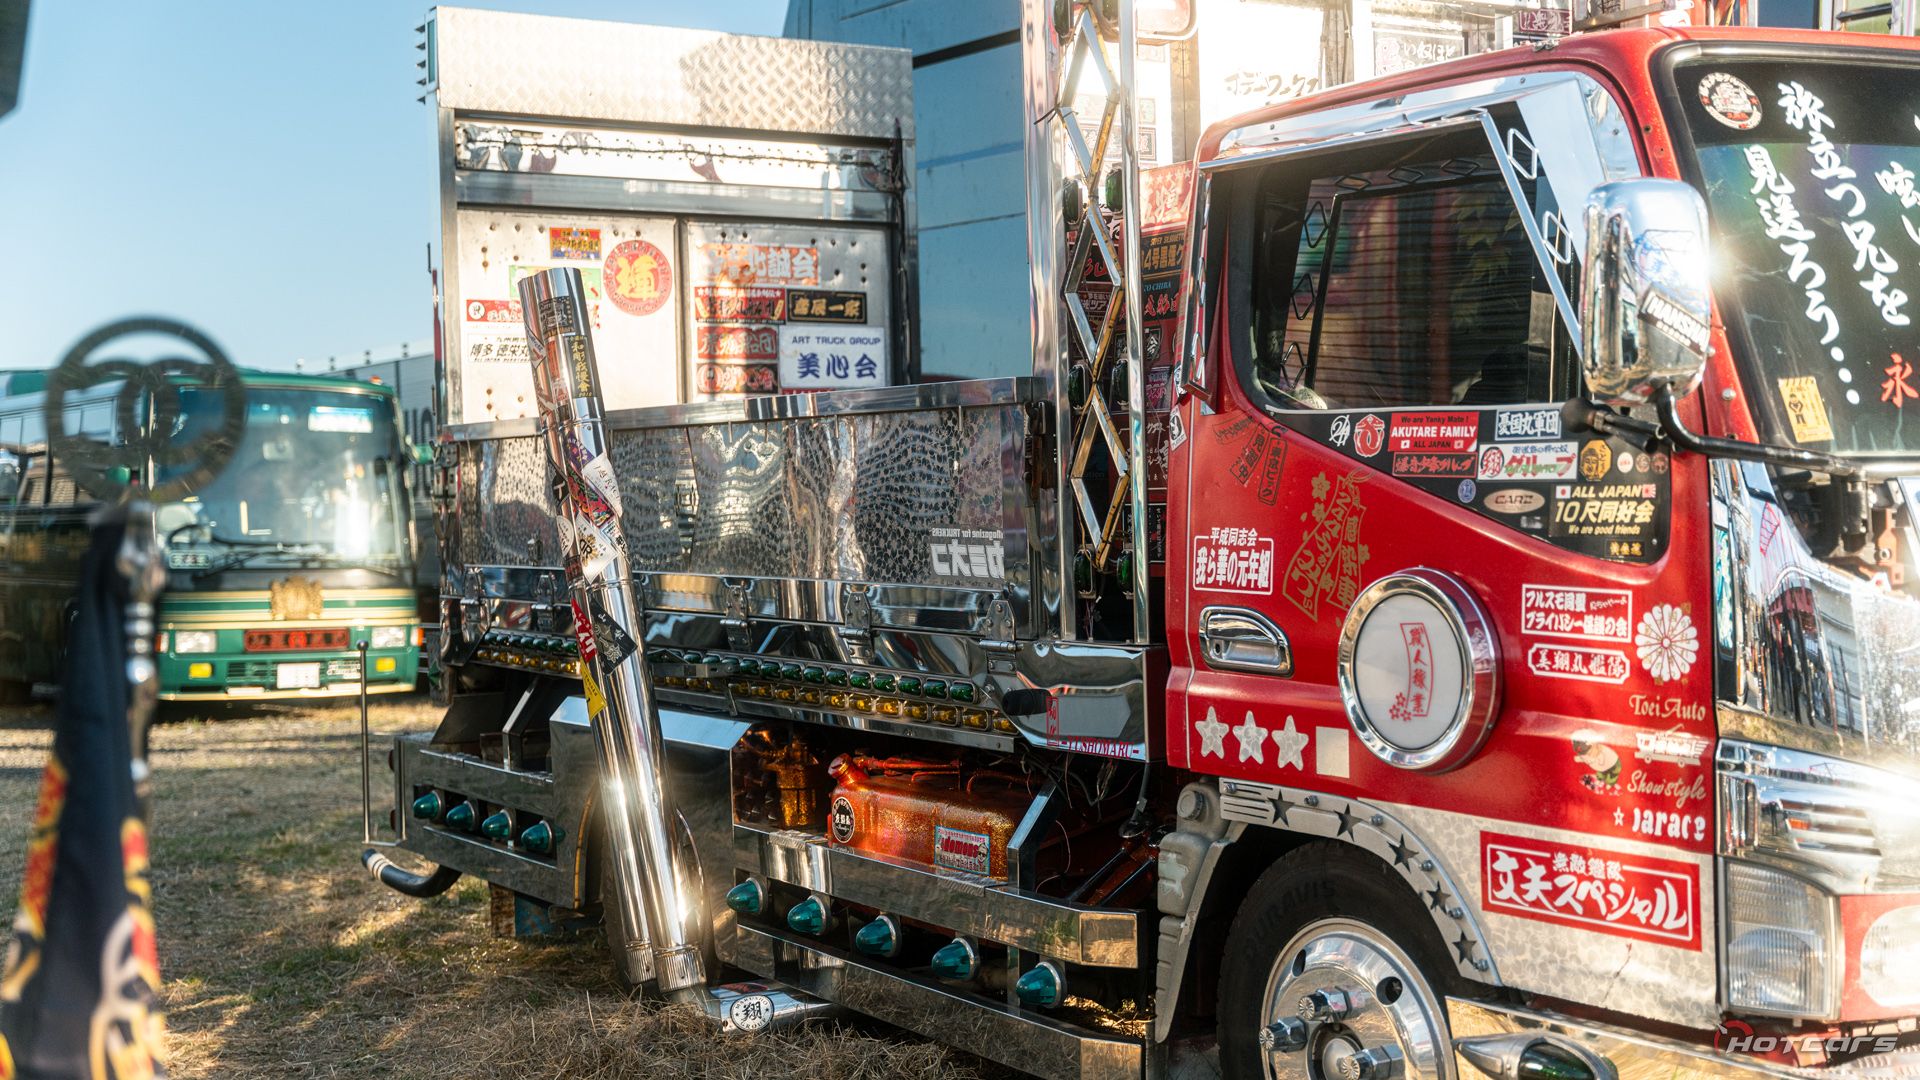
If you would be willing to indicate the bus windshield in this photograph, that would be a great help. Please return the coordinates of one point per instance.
(1811, 170)
(317, 472)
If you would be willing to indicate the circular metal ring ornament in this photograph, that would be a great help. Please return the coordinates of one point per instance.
(157, 386)
(1419, 670)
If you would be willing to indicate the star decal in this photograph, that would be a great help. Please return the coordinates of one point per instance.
(1288, 744)
(1464, 947)
(1347, 819)
(1619, 816)
(1438, 898)
(1213, 734)
(1402, 854)
(1252, 738)
(1282, 804)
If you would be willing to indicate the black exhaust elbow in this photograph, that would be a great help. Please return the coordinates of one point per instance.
(403, 881)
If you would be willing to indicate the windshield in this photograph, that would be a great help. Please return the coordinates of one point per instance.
(1812, 175)
(316, 470)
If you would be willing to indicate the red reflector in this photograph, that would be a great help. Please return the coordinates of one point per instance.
(296, 640)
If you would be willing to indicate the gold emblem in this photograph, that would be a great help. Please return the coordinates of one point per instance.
(296, 598)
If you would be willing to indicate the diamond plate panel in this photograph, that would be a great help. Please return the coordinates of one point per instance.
(535, 65)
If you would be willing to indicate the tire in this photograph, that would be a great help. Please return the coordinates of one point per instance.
(1329, 916)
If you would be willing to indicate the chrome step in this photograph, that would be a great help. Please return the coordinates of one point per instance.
(964, 903)
(1014, 1037)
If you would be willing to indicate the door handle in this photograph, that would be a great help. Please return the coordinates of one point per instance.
(1237, 639)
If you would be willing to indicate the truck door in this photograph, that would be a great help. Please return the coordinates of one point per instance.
(1389, 347)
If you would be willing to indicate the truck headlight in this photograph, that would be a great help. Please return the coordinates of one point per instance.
(195, 641)
(388, 637)
(1890, 958)
(1781, 936)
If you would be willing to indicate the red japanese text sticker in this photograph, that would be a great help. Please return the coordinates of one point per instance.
(1633, 896)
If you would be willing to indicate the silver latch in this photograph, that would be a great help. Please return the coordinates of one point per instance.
(735, 619)
(856, 618)
(1000, 636)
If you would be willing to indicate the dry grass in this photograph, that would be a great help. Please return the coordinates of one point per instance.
(284, 959)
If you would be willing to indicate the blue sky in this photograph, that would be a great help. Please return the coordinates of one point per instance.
(259, 169)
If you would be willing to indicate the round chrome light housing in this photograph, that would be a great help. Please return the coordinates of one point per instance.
(1419, 670)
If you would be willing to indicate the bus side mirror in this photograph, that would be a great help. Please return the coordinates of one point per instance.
(422, 453)
(1644, 317)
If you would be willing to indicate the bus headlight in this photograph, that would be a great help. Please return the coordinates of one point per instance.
(195, 641)
(1781, 937)
(388, 637)
(1890, 958)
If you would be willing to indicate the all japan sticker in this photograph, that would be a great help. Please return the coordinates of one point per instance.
(1578, 885)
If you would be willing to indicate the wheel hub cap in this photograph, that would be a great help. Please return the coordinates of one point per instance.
(1368, 1013)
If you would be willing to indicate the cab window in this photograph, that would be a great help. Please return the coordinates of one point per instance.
(1399, 276)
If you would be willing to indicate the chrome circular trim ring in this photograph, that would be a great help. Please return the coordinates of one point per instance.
(1479, 663)
(1355, 958)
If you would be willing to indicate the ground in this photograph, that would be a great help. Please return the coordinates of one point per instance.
(282, 958)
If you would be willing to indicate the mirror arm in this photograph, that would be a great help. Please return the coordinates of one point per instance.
(1786, 457)
(1580, 414)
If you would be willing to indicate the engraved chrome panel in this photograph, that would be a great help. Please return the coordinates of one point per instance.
(532, 65)
(1619, 974)
(902, 498)
(505, 505)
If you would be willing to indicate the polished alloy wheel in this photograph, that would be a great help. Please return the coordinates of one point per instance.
(1345, 1003)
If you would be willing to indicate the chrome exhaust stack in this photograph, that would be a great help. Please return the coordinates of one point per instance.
(647, 901)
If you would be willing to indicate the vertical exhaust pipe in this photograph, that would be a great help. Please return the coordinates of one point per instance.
(613, 666)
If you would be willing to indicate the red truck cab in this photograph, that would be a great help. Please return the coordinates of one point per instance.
(1628, 717)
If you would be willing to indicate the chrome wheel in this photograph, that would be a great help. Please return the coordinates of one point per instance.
(1343, 1002)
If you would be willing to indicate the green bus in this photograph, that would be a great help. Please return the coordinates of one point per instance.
(302, 546)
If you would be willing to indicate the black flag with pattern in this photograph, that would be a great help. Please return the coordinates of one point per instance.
(78, 997)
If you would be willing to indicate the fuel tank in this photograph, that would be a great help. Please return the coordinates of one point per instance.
(943, 815)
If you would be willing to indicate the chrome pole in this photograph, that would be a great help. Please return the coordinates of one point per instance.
(613, 667)
(1135, 355)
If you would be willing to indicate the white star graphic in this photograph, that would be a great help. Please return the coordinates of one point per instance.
(1213, 734)
(1289, 744)
(1252, 738)
(1619, 816)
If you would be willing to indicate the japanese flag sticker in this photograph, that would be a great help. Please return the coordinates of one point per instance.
(1730, 101)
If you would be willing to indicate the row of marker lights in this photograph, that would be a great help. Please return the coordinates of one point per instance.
(836, 688)
(539, 837)
(1042, 986)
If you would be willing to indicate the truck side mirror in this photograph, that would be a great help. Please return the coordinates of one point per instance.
(1643, 304)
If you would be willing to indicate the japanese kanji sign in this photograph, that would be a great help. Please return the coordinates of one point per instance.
(1634, 896)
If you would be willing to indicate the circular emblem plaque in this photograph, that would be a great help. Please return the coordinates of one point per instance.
(1419, 670)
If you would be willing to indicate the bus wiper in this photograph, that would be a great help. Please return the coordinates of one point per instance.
(254, 550)
(349, 562)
